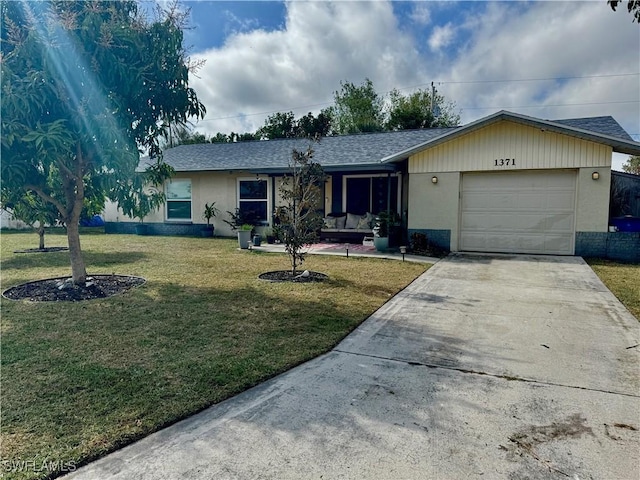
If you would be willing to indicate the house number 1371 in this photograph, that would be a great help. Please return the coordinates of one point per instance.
(505, 162)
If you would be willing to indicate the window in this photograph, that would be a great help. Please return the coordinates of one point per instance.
(178, 199)
(370, 193)
(253, 200)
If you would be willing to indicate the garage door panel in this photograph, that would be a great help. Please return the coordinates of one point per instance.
(559, 223)
(524, 212)
(561, 200)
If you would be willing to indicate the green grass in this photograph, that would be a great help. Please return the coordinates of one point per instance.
(82, 379)
(623, 279)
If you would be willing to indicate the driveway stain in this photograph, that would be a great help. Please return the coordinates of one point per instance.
(621, 432)
(525, 442)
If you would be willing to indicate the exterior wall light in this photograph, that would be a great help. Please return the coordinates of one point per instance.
(595, 176)
(434, 179)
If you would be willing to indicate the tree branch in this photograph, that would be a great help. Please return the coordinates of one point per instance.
(48, 198)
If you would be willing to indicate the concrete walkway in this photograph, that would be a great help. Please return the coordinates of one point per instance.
(392, 254)
(492, 367)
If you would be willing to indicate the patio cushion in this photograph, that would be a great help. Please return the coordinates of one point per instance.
(330, 222)
(366, 221)
(352, 220)
(340, 222)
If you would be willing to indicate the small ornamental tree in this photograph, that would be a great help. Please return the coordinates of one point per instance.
(33, 211)
(299, 219)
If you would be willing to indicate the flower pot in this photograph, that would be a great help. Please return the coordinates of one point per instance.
(244, 238)
(271, 239)
(207, 231)
(381, 243)
(256, 240)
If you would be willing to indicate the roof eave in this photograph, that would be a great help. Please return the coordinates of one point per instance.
(618, 145)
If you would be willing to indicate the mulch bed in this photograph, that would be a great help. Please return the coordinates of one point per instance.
(97, 286)
(286, 276)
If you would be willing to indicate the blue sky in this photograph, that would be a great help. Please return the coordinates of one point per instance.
(562, 59)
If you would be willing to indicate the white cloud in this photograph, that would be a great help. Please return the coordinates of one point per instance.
(441, 37)
(322, 43)
(235, 24)
(421, 14)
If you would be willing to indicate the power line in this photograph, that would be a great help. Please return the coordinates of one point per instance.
(550, 105)
(461, 108)
(447, 82)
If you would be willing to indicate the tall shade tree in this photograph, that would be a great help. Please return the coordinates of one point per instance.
(420, 110)
(357, 109)
(278, 125)
(309, 126)
(86, 86)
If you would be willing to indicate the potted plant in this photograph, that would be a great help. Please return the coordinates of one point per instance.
(209, 212)
(242, 223)
(244, 235)
(383, 222)
(270, 236)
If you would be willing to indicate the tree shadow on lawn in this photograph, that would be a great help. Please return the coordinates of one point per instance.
(93, 260)
(111, 371)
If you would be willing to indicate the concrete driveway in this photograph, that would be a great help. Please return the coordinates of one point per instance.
(505, 367)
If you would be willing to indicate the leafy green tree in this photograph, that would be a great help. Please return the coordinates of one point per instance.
(220, 138)
(34, 211)
(357, 109)
(183, 135)
(416, 111)
(299, 219)
(278, 125)
(85, 86)
(310, 126)
(247, 137)
(633, 7)
(632, 165)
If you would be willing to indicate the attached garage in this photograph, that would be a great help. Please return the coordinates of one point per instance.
(518, 212)
(509, 183)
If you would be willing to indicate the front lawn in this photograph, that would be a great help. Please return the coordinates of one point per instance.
(82, 379)
(623, 279)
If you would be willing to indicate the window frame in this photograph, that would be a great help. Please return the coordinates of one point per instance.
(267, 199)
(370, 176)
(168, 200)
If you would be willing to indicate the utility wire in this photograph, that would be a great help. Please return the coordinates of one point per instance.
(550, 105)
(446, 82)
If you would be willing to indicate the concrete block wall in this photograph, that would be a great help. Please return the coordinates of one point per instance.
(441, 238)
(169, 229)
(623, 246)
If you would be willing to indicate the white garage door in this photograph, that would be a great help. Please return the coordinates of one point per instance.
(518, 212)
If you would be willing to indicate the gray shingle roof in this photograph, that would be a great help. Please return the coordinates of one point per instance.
(591, 129)
(339, 152)
(605, 125)
(373, 151)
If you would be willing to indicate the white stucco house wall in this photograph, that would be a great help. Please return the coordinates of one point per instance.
(505, 183)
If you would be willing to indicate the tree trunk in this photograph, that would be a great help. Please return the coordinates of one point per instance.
(41, 235)
(78, 270)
